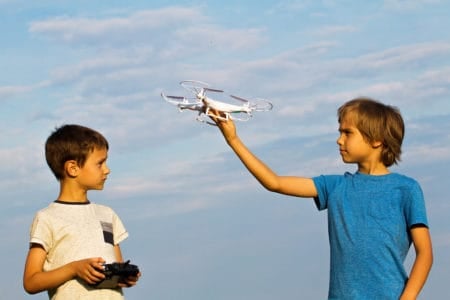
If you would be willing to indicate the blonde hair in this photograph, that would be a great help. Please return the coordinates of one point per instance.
(377, 122)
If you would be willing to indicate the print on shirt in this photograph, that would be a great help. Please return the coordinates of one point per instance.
(108, 232)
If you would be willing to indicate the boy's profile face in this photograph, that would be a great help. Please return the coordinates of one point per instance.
(353, 147)
(93, 174)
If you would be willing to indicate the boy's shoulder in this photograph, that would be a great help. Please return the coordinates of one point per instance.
(61, 214)
(60, 207)
(392, 176)
(407, 180)
(357, 179)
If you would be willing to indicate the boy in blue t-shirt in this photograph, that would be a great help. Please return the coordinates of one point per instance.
(373, 215)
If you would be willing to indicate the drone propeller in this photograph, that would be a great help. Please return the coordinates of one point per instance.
(175, 97)
(194, 86)
(239, 98)
(212, 90)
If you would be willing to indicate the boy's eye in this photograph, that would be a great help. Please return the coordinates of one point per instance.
(347, 131)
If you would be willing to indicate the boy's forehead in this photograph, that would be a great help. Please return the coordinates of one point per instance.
(348, 120)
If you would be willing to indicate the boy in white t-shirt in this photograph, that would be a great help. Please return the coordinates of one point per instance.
(72, 238)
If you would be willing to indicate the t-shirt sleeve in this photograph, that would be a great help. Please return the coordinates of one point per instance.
(325, 185)
(40, 232)
(120, 233)
(415, 210)
(321, 198)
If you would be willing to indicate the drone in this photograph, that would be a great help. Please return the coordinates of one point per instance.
(205, 105)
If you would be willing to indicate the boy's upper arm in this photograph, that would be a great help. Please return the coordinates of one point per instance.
(422, 264)
(421, 238)
(35, 260)
(118, 253)
(297, 186)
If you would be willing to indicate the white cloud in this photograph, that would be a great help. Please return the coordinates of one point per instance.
(425, 153)
(403, 55)
(333, 30)
(78, 29)
(408, 5)
(21, 166)
(15, 90)
(172, 30)
(170, 208)
(289, 6)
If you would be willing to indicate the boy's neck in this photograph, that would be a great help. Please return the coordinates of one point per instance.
(68, 193)
(377, 169)
(71, 200)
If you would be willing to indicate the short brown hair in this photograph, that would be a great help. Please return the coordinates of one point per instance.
(377, 122)
(71, 142)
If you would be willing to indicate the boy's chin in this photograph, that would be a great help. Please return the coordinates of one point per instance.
(97, 188)
(347, 161)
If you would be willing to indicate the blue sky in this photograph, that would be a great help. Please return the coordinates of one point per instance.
(200, 226)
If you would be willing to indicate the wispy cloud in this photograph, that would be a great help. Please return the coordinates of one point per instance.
(332, 30)
(116, 30)
(10, 91)
(408, 5)
(172, 30)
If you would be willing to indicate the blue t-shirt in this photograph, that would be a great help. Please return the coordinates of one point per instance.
(369, 218)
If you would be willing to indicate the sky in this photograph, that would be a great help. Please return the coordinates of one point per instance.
(200, 226)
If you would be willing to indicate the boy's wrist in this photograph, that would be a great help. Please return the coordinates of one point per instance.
(72, 269)
(231, 140)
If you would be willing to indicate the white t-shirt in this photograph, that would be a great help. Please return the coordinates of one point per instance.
(70, 232)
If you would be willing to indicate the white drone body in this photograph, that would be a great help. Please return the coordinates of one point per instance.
(204, 104)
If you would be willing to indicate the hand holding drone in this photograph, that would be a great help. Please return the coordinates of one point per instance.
(204, 105)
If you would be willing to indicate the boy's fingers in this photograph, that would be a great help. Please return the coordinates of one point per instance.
(217, 115)
(214, 114)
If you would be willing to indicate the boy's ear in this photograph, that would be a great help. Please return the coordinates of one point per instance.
(377, 144)
(71, 168)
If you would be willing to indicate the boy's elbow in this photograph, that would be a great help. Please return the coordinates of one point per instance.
(272, 186)
(30, 287)
(31, 292)
(431, 258)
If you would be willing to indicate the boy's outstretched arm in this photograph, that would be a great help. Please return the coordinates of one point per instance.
(289, 185)
(422, 263)
(36, 280)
